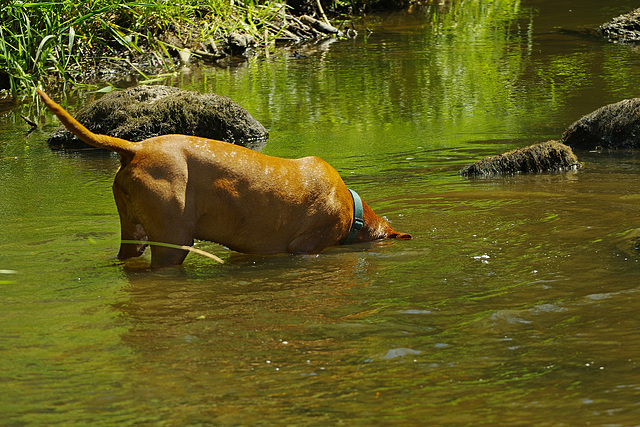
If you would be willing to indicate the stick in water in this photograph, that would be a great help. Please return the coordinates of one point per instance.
(169, 245)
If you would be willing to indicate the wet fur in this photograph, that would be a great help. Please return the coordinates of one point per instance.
(177, 188)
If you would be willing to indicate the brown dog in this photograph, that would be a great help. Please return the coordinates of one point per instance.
(174, 188)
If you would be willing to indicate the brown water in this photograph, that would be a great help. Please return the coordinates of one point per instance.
(515, 304)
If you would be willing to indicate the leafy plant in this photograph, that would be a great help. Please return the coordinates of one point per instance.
(48, 41)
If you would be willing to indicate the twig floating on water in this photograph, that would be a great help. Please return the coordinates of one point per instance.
(169, 245)
(29, 121)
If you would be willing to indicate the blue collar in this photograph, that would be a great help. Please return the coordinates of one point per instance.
(358, 222)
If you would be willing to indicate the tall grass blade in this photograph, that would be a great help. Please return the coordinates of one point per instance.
(43, 43)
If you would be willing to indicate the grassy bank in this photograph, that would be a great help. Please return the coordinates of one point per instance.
(54, 41)
(47, 42)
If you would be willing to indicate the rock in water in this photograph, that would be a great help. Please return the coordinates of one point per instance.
(623, 29)
(239, 43)
(614, 126)
(146, 111)
(542, 157)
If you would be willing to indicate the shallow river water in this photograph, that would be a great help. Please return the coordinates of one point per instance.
(516, 303)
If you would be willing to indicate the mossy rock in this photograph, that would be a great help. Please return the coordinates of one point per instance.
(623, 29)
(143, 112)
(614, 126)
(542, 157)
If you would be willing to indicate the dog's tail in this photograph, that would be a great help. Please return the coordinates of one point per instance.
(121, 146)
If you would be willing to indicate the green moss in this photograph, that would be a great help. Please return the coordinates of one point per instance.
(542, 157)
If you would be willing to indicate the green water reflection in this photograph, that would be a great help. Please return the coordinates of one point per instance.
(516, 302)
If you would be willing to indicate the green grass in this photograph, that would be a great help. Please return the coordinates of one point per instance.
(47, 42)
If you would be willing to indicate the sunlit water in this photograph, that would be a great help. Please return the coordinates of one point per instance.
(516, 302)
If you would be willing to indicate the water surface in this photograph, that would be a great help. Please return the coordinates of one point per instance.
(515, 303)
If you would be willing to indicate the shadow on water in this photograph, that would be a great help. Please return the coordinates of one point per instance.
(515, 303)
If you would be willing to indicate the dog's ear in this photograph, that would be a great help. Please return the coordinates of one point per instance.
(401, 236)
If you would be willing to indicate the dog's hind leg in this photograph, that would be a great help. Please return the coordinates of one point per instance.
(168, 229)
(162, 256)
(131, 232)
(166, 257)
(129, 229)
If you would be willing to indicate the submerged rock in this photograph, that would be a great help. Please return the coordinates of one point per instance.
(614, 126)
(542, 157)
(146, 111)
(623, 29)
